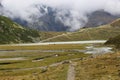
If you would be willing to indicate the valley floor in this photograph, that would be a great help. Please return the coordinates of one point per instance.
(58, 62)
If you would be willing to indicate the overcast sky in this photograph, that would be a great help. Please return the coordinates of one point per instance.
(78, 8)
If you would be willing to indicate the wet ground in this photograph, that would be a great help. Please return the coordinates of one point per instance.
(89, 50)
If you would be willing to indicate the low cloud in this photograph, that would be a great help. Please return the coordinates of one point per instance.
(72, 13)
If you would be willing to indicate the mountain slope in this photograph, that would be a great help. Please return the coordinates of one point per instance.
(115, 40)
(48, 21)
(98, 18)
(11, 32)
(98, 33)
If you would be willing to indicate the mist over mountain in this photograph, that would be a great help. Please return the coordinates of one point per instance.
(60, 15)
(48, 22)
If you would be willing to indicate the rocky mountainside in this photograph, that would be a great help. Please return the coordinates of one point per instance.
(100, 18)
(48, 22)
(11, 32)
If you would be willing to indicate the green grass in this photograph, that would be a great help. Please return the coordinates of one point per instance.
(59, 74)
(11, 32)
(45, 35)
(49, 57)
(52, 73)
(43, 47)
(47, 61)
(99, 33)
(9, 69)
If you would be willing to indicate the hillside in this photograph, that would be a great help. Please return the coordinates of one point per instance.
(115, 40)
(98, 18)
(98, 33)
(11, 32)
(103, 67)
(49, 34)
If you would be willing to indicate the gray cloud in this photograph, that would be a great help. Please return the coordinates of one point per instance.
(77, 9)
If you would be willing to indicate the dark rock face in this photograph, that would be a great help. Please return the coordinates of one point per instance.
(47, 22)
(100, 18)
(0, 4)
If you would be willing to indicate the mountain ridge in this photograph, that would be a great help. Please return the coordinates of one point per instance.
(11, 32)
(48, 22)
(99, 18)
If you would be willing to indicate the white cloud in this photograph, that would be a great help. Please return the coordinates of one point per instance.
(78, 9)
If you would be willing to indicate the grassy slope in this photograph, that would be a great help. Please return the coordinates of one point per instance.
(115, 40)
(98, 33)
(46, 35)
(102, 67)
(11, 32)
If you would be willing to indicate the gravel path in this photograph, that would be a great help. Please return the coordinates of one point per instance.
(71, 72)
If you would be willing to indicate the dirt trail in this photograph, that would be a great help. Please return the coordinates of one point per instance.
(64, 34)
(71, 72)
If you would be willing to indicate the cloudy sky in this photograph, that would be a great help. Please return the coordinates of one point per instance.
(78, 9)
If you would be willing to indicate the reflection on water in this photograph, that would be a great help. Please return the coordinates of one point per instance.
(99, 50)
(88, 50)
